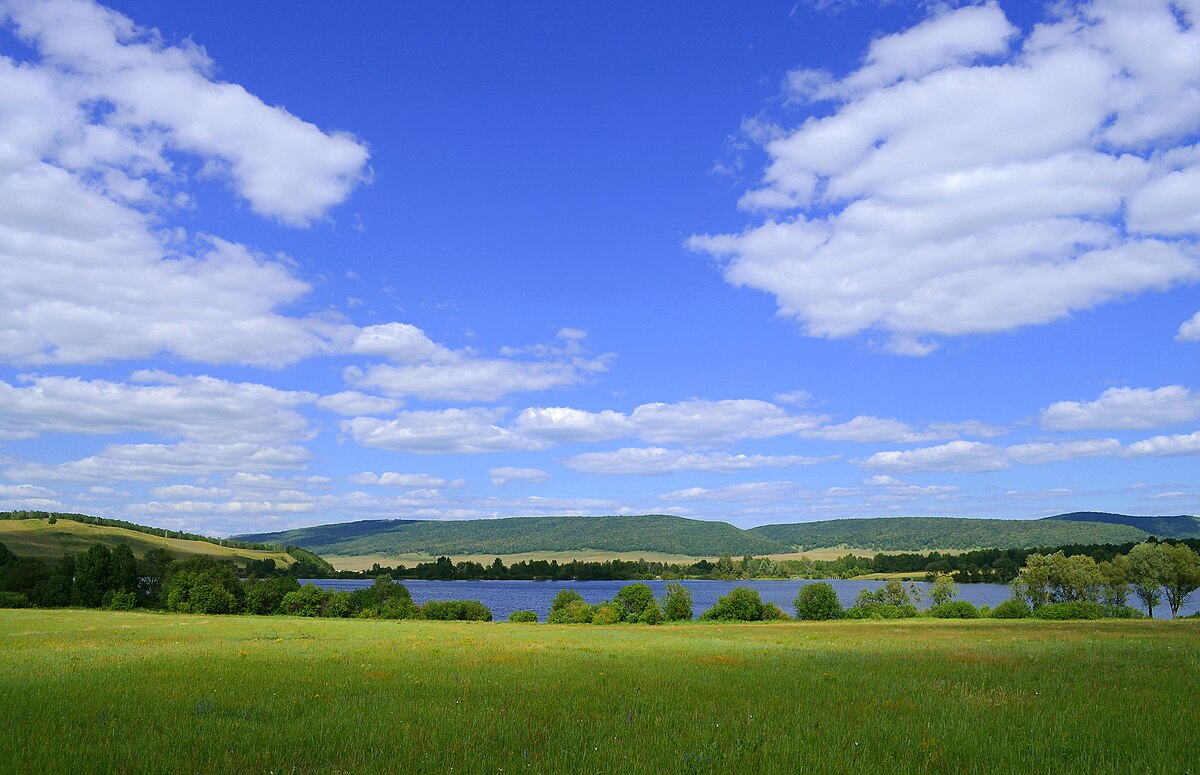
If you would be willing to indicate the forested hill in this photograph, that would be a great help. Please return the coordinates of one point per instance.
(516, 535)
(926, 533)
(696, 538)
(1180, 526)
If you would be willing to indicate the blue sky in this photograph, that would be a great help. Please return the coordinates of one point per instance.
(267, 265)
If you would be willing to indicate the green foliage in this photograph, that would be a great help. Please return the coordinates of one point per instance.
(633, 599)
(93, 576)
(773, 613)
(1075, 609)
(742, 604)
(818, 602)
(1182, 575)
(202, 585)
(13, 600)
(1057, 578)
(1148, 573)
(1013, 608)
(607, 613)
(954, 609)
(925, 533)
(573, 612)
(943, 590)
(264, 596)
(1181, 526)
(308, 600)
(120, 600)
(523, 617)
(881, 611)
(456, 610)
(677, 604)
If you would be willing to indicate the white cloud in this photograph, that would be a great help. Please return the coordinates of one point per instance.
(657, 461)
(153, 462)
(742, 493)
(393, 479)
(952, 456)
(400, 342)
(189, 492)
(1051, 452)
(1178, 444)
(9, 491)
(352, 403)
(445, 431)
(865, 428)
(947, 195)
(505, 474)
(199, 408)
(1189, 330)
(1125, 407)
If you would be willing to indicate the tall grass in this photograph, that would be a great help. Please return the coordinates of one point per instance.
(84, 691)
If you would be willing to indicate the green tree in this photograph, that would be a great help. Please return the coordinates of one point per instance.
(202, 585)
(93, 576)
(943, 590)
(1115, 573)
(818, 602)
(1182, 574)
(1148, 573)
(677, 605)
(742, 604)
(633, 599)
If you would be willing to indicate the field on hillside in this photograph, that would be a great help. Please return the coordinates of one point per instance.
(140, 692)
(38, 538)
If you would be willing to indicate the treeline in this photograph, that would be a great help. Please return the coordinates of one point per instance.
(995, 566)
(54, 516)
(115, 579)
(725, 568)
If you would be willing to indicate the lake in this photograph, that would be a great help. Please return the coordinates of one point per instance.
(504, 597)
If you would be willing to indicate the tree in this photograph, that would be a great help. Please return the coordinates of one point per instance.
(1115, 572)
(943, 590)
(124, 569)
(93, 576)
(1182, 576)
(202, 585)
(633, 599)
(677, 605)
(818, 602)
(1148, 573)
(742, 604)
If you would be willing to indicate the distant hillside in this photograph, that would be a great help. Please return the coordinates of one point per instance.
(36, 537)
(516, 535)
(1181, 526)
(927, 533)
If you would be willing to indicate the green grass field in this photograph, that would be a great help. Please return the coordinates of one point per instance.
(86, 691)
(38, 538)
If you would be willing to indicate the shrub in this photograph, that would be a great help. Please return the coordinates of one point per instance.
(1122, 612)
(651, 614)
(1013, 608)
(574, 612)
(742, 604)
(633, 599)
(985, 611)
(1076, 609)
(677, 605)
(773, 613)
(523, 617)
(338, 606)
(882, 611)
(309, 600)
(606, 613)
(456, 610)
(818, 602)
(264, 596)
(13, 600)
(121, 600)
(954, 609)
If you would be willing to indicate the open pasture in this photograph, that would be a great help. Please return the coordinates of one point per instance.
(140, 692)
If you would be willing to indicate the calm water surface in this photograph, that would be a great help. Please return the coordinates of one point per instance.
(504, 597)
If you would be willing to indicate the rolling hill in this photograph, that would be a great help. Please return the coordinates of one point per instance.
(679, 536)
(37, 538)
(1179, 526)
(645, 533)
(928, 533)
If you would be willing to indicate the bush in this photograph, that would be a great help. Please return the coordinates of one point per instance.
(574, 612)
(1013, 608)
(742, 604)
(606, 613)
(1077, 609)
(456, 610)
(651, 614)
(309, 600)
(633, 599)
(882, 611)
(818, 602)
(13, 600)
(677, 605)
(773, 613)
(954, 609)
(338, 606)
(523, 617)
(1122, 612)
(120, 600)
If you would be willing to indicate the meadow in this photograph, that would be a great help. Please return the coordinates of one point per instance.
(131, 692)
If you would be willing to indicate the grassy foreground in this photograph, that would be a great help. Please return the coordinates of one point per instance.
(91, 691)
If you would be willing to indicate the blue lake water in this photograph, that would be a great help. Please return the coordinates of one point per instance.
(504, 597)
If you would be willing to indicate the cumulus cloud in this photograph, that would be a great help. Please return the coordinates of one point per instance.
(658, 461)
(1189, 331)
(352, 403)
(505, 474)
(445, 431)
(956, 188)
(1125, 407)
(198, 408)
(974, 456)
(1177, 444)
(154, 462)
(393, 479)
(96, 136)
